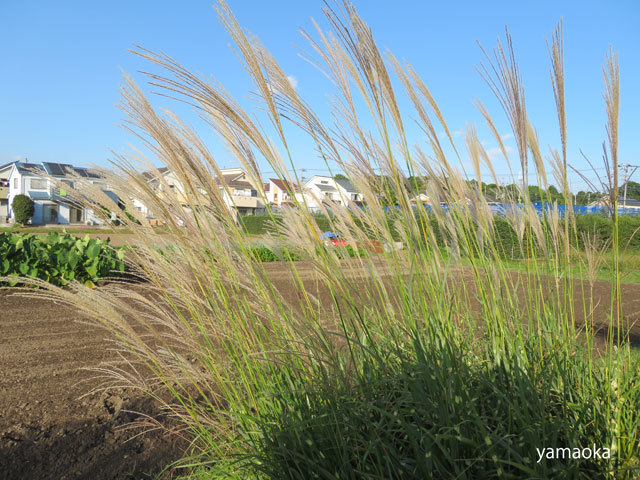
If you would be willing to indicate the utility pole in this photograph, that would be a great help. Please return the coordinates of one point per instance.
(627, 176)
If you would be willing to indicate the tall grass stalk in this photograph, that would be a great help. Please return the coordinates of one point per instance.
(434, 361)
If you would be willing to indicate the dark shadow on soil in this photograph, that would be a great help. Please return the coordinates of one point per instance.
(100, 449)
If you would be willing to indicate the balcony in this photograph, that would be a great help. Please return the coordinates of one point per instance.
(242, 201)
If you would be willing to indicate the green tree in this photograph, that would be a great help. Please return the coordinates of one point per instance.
(417, 184)
(23, 208)
(536, 194)
(340, 176)
(633, 190)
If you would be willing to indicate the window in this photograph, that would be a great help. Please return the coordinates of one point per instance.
(15, 183)
(38, 184)
(324, 182)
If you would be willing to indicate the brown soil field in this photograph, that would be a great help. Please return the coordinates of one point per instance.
(50, 428)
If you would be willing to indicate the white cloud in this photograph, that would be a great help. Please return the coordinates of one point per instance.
(458, 133)
(293, 81)
(506, 136)
(18, 157)
(496, 152)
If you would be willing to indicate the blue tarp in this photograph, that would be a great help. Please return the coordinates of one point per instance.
(540, 207)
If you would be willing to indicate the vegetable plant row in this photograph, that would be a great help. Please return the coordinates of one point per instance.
(58, 258)
(264, 254)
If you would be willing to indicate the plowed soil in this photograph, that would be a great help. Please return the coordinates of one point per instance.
(49, 430)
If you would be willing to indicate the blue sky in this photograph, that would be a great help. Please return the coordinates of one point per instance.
(63, 62)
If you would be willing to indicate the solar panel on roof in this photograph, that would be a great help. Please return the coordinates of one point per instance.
(54, 168)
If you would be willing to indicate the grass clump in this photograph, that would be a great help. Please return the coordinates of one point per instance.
(430, 361)
(437, 410)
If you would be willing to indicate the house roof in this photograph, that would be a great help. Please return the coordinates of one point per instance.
(325, 188)
(151, 174)
(30, 168)
(55, 170)
(283, 185)
(346, 184)
(231, 181)
(2, 167)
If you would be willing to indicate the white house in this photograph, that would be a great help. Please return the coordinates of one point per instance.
(44, 183)
(5, 171)
(278, 192)
(331, 191)
(349, 191)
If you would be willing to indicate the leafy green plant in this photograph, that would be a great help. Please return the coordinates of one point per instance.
(58, 258)
(264, 254)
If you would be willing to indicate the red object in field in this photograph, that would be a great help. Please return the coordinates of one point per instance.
(338, 242)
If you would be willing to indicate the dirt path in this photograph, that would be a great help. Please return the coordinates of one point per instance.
(48, 432)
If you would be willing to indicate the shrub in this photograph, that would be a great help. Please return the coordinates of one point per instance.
(257, 224)
(23, 208)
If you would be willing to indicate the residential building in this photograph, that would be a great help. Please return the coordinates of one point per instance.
(157, 183)
(5, 170)
(239, 191)
(349, 192)
(330, 191)
(44, 183)
(278, 192)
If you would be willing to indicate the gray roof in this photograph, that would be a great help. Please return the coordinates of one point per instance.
(347, 185)
(2, 167)
(325, 188)
(151, 174)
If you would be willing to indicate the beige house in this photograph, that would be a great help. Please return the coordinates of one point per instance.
(239, 192)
